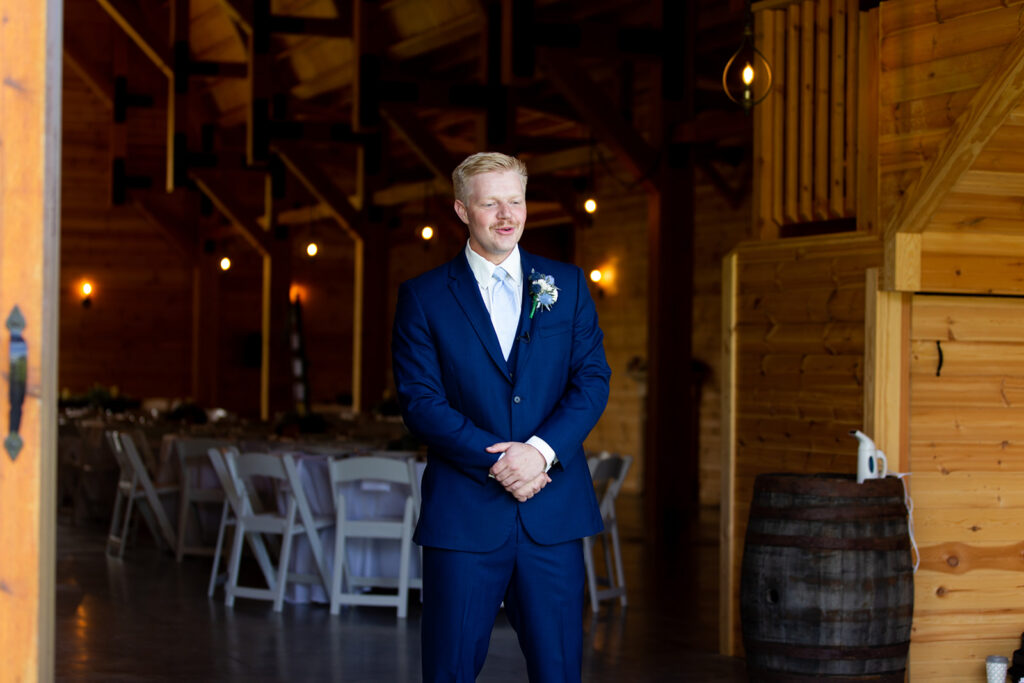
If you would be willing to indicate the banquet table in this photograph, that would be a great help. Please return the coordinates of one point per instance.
(366, 557)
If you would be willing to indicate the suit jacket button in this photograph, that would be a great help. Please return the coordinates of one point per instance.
(516, 399)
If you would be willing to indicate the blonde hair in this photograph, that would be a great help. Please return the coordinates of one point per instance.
(484, 162)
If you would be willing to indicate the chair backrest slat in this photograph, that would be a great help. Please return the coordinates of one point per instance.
(370, 468)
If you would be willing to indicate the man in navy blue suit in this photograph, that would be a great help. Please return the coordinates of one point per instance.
(500, 368)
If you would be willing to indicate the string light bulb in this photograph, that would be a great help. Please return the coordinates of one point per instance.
(427, 233)
(747, 76)
(225, 263)
(312, 249)
(590, 206)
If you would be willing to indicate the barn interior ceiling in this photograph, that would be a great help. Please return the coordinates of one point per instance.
(259, 113)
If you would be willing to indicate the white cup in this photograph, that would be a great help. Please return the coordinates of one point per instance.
(995, 668)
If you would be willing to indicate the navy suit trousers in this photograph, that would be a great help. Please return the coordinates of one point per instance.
(542, 587)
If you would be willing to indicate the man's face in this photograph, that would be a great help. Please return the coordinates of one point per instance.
(495, 212)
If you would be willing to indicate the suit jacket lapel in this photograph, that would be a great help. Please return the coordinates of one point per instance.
(466, 291)
(525, 333)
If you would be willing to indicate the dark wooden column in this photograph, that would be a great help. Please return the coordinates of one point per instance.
(372, 327)
(671, 457)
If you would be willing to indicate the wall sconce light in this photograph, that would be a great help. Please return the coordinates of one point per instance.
(225, 263)
(590, 205)
(747, 77)
(596, 276)
(427, 233)
(86, 290)
(298, 293)
(312, 249)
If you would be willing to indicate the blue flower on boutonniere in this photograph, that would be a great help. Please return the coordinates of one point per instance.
(542, 291)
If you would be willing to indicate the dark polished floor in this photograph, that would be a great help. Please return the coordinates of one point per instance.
(147, 618)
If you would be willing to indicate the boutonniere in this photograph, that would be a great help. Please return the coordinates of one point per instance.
(542, 291)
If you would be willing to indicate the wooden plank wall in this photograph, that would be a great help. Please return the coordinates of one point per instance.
(805, 131)
(137, 333)
(966, 441)
(933, 57)
(794, 340)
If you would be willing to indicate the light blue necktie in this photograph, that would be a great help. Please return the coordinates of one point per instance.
(504, 312)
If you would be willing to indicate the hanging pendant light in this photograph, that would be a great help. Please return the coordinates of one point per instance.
(747, 77)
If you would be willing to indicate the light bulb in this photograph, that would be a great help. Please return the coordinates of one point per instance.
(595, 275)
(590, 206)
(225, 263)
(748, 74)
(311, 249)
(86, 288)
(427, 232)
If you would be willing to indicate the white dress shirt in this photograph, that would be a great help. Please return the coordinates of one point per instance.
(483, 271)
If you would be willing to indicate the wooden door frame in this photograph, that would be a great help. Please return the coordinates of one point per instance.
(31, 43)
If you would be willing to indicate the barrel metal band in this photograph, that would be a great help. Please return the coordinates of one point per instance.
(767, 676)
(828, 652)
(831, 514)
(901, 542)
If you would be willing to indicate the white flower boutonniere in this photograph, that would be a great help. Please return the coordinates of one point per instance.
(542, 291)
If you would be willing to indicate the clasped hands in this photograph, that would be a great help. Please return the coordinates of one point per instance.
(521, 470)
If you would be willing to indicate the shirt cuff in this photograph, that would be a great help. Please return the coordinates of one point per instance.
(545, 450)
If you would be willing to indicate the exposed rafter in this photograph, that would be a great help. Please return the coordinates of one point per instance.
(132, 21)
(167, 212)
(421, 140)
(322, 188)
(247, 221)
(991, 105)
(601, 115)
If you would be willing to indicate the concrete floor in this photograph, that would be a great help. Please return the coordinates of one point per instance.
(147, 618)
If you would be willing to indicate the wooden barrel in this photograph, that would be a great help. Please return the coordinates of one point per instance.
(827, 590)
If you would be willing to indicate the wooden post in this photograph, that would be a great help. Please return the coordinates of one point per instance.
(728, 582)
(886, 374)
(30, 140)
(205, 328)
(671, 460)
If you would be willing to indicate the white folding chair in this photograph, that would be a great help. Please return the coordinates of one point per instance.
(135, 486)
(608, 472)
(235, 498)
(379, 471)
(193, 461)
(280, 470)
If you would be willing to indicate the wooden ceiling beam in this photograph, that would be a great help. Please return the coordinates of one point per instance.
(421, 140)
(322, 188)
(990, 107)
(134, 24)
(243, 218)
(99, 83)
(601, 115)
(178, 97)
(340, 27)
(169, 213)
(242, 12)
